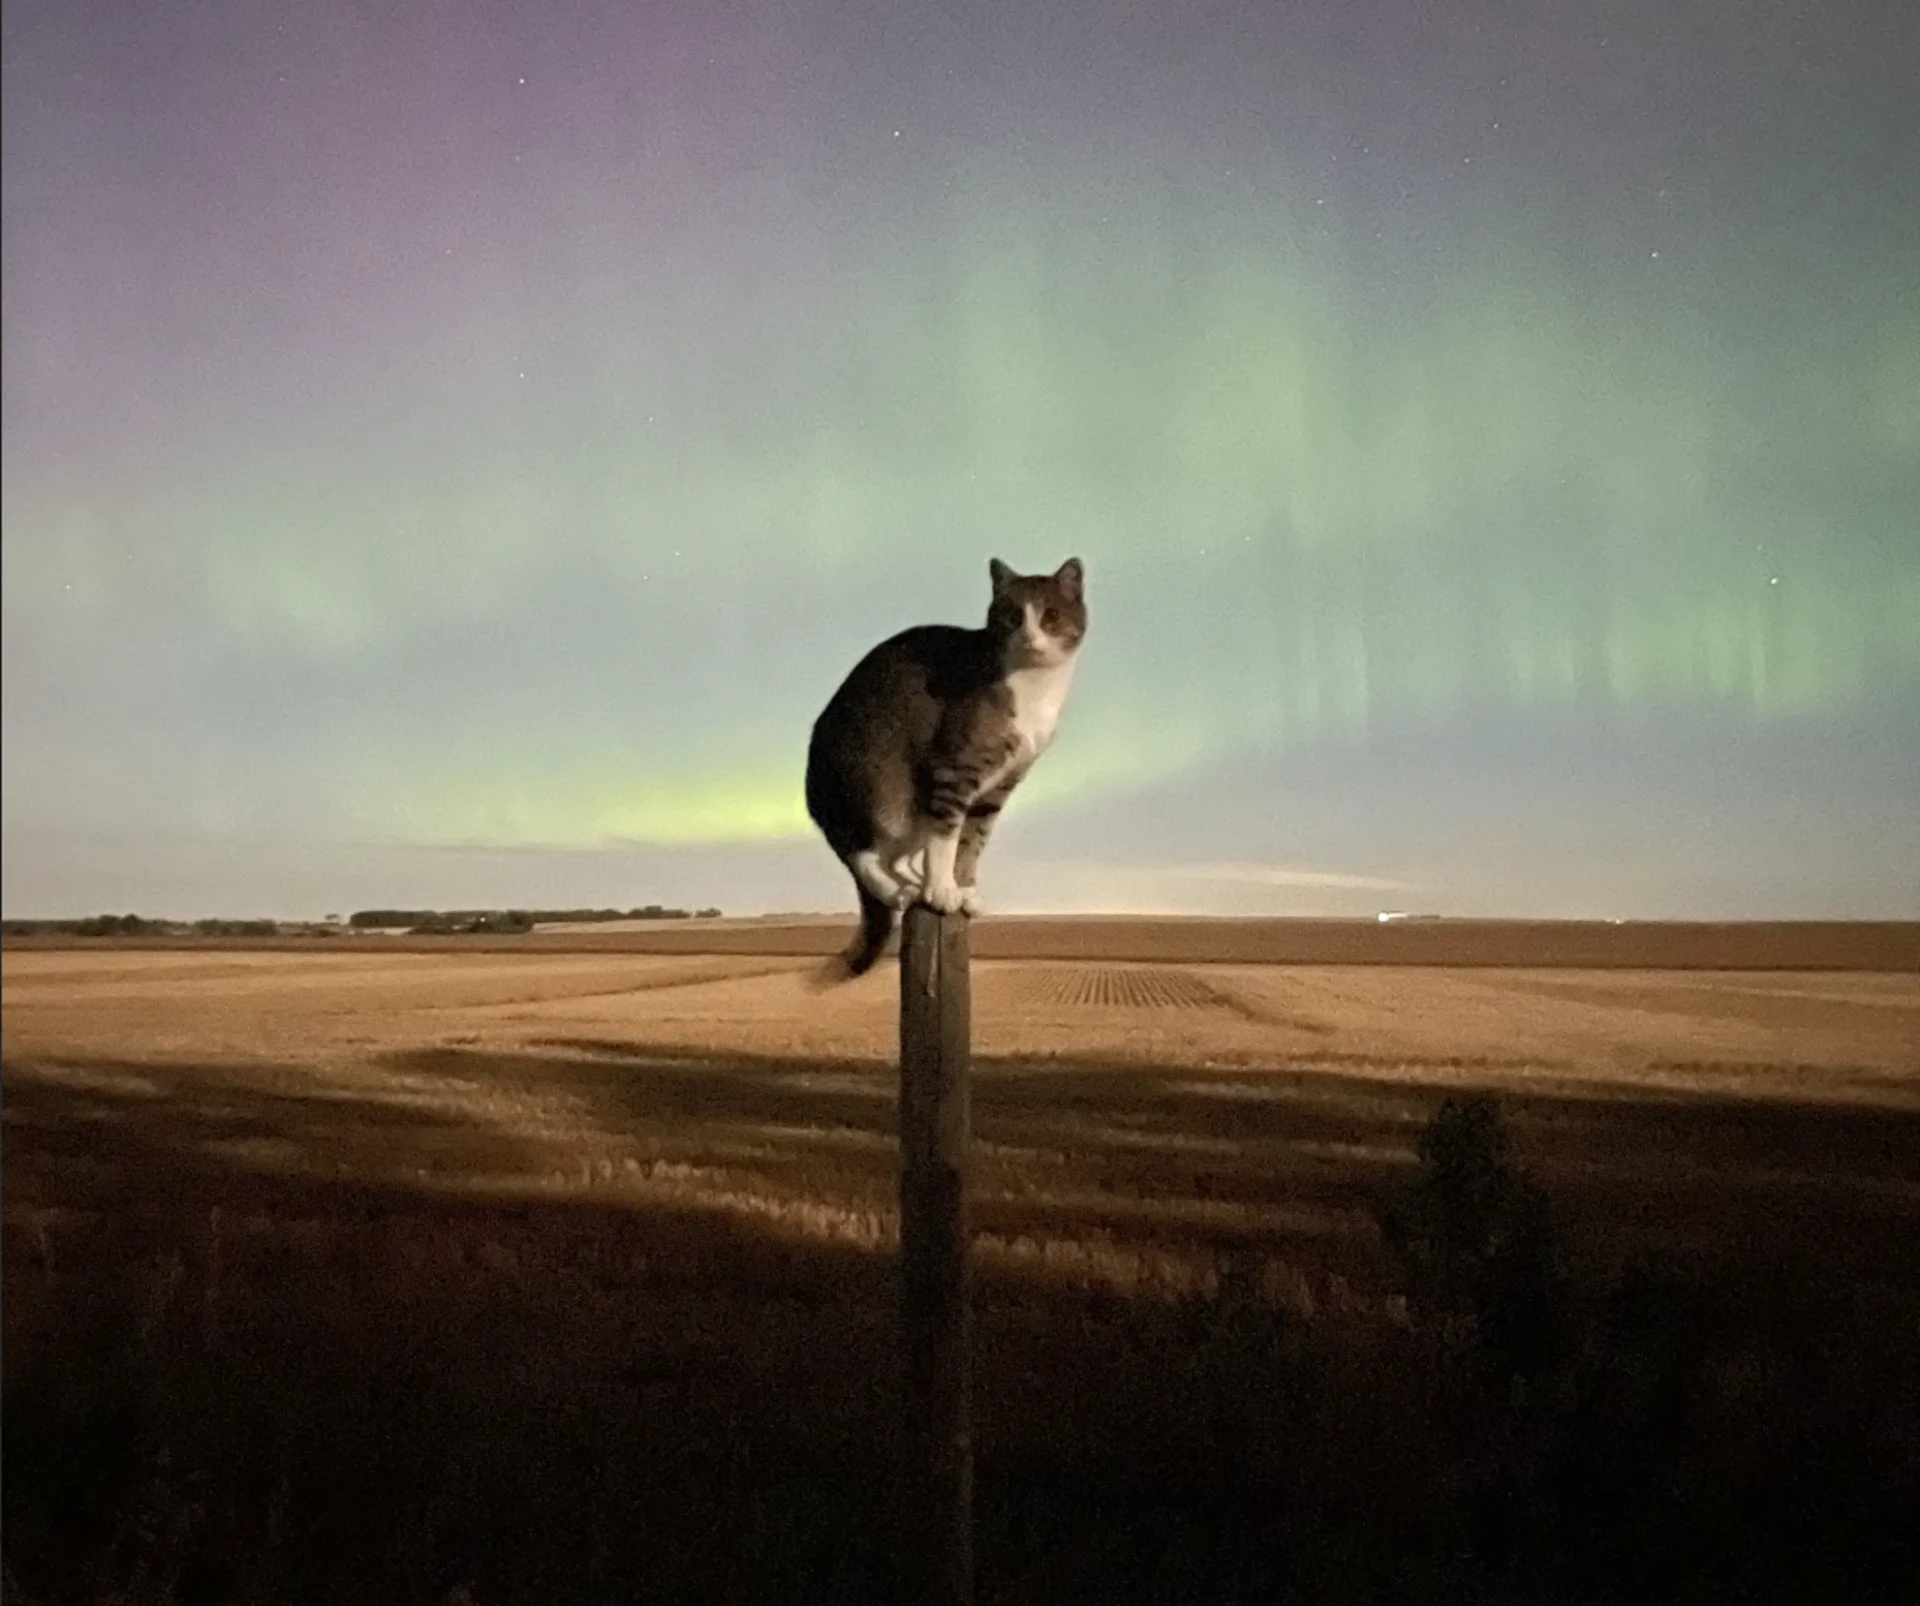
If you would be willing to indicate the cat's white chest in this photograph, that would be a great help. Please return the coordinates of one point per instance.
(1038, 696)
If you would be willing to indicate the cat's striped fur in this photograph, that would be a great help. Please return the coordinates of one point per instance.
(917, 752)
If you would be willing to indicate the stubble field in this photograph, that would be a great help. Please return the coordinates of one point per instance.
(449, 1270)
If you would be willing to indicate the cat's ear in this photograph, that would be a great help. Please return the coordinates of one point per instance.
(999, 573)
(1070, 577)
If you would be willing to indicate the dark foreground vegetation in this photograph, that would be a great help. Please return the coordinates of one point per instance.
(230, 1386)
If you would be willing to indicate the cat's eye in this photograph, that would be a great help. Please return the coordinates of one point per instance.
(1050, 620)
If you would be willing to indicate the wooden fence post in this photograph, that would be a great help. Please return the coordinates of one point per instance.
(935, 1314)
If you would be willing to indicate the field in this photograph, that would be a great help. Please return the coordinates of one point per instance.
(558, 1268)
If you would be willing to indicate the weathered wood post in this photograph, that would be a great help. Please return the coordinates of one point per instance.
(935, 1302)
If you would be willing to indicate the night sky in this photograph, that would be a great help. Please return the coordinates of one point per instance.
(452, 451)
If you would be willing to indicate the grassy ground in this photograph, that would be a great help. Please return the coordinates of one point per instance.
(475, 1277)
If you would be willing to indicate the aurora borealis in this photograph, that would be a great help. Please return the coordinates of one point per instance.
(451, 452)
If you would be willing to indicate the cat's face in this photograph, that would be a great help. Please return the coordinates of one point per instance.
(1039, 619)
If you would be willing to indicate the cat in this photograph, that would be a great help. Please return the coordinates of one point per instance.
(917, 752)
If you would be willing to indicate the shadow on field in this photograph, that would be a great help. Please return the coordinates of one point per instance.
(1831, 1188)
(268, 1339)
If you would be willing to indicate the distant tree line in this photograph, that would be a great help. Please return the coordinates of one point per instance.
(422, 922)
(482, 920)
(460, 922)
(139, 926)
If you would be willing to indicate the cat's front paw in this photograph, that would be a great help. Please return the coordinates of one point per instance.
(969, 901)
(943, 897)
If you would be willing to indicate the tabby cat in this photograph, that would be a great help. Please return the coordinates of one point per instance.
(920, 747)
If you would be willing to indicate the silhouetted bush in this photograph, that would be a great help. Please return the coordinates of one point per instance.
(1478, 1243)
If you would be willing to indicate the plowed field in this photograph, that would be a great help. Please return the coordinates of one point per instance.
(1116, 987)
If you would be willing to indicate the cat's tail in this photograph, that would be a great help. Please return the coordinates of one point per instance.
(877, 920)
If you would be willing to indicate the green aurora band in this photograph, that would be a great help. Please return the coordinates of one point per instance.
(1309, 500)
